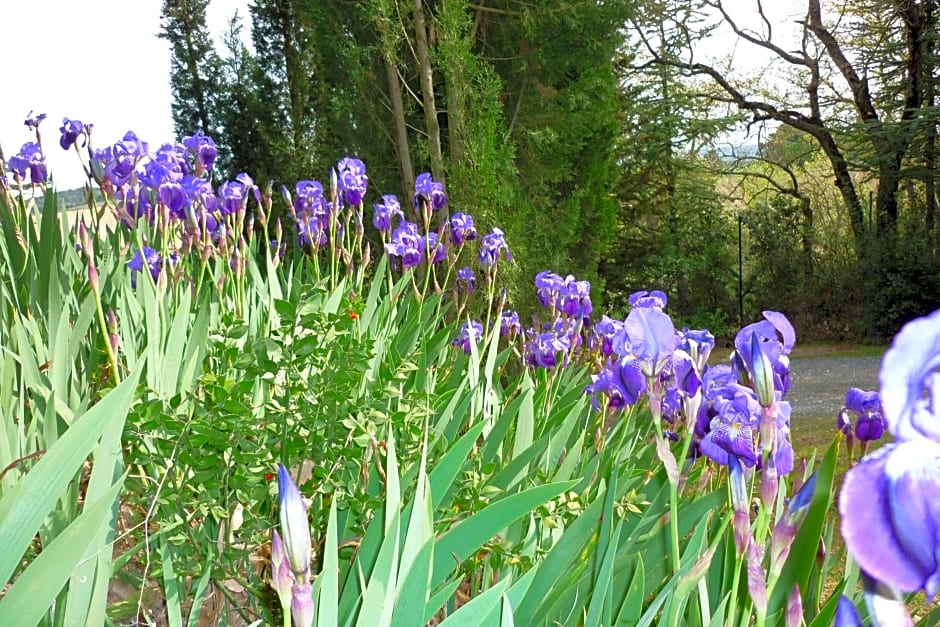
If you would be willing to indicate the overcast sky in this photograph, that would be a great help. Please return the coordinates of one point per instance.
(97, 61)
(100, 61)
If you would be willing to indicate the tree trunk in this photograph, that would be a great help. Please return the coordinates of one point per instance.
(886, 205)
(401, 130)
(806, 240)
(930, 145)
(847, 188)
(427, 92)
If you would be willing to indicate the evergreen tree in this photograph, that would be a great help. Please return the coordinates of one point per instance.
(194, 66)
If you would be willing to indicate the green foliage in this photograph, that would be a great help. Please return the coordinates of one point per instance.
(441, 484)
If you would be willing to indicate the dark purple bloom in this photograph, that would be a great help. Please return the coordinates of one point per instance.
(542, 350)
(32, 121)
(470, 333)
(433, 249)
(149, 257)
(846, 614)
(136, 203)
(621, 381)
(910, 380)
(866, 407)
(233, 195)
(406, 245)
(312, 212)
(124, 157)
(604, 332)
(650, 336)
(575, 297)
(200, 192)
(509, 323)
(734, 429)
(462, 229)
(352, 180)
(429, 192)
(203, 148)
(385, 211)
(30, 158)
(685, 373)
(654, 299)
(310, 232)
(174, 197)
(548, 286)
(18, 165)
(490, 247)
(71, 130)
(466, 279)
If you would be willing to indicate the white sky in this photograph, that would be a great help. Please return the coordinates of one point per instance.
(97, 61)
(100, 61)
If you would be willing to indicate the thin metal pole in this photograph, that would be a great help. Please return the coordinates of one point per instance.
(740, 271)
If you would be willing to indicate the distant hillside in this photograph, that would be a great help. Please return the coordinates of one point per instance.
(74, 198)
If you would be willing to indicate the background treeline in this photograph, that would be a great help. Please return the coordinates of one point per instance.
(593, 133)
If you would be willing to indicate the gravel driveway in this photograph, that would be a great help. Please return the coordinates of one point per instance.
(819, 383)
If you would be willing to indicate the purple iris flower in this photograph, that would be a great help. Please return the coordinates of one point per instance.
(622, 381)
(71, 130)
(385, 211)
(203, 148)
(654, 299)
(18, 166)
(575, 297)
(470, 333)
(352, 180)
(310, 232)
(698, 344)
(671, 404)
(233, 195)
(312, 212)
(199, 191)
(650, 336)
(124, 157)
(466, 279)
(767, 342)
(462, 229)
(866, 406)
(846, 614)
(548, 286)
(146, 257)
(509, 323)
(910, 380)
(136, 203)
(629, 381)
(603, 334)
(890, 508)
(431, 245)
(890, 501)
(32, 121)
(490, 247)
(541, 351)
(429, 191)
(174, 197)
(30, 158)
(686, 376)
(734, 429)
(406, 245)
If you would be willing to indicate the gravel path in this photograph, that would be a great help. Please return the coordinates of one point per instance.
(819, 383)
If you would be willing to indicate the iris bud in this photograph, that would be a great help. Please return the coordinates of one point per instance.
(294, 524)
